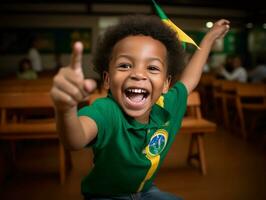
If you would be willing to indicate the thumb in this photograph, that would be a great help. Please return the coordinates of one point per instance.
(76, 58)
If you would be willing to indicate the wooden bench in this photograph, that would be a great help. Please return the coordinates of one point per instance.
(228, 101)
(205, 89)
(195, 125)
(250, 97)
(218, 98)
(17, 85)
(13, 128)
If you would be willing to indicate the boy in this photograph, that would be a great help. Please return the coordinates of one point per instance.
(129, 132)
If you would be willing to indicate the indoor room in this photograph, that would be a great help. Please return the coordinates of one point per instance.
(93, 112)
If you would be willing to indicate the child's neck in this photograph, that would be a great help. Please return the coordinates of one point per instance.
(142, 119)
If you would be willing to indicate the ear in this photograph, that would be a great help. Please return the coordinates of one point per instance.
(106, 80)
(166, 84)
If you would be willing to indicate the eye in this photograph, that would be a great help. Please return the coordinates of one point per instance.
(154, 69)
(124, 66)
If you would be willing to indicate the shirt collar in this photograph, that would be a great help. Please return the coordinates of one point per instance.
(159, 117)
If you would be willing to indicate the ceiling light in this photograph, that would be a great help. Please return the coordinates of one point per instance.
(209, 24)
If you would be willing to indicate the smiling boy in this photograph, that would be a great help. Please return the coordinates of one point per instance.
(138, 75)
(129, 132)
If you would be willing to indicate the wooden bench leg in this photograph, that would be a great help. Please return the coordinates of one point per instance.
(62, 163)
(201, 152)
(196, 141)
(241, 120)
(191, 153)
(225, 113)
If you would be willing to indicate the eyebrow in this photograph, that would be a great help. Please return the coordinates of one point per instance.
(149, 59)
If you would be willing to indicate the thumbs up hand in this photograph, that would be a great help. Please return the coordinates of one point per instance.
(69, 86)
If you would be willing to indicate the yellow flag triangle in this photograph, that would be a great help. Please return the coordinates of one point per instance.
(181, 35)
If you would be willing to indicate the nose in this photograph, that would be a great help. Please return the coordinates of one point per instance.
(138, 73)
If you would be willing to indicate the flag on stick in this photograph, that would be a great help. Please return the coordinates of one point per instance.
(181, 35)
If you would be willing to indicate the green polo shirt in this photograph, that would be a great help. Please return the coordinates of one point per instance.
(128, 154)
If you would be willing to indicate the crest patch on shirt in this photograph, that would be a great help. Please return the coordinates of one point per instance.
(157, 142)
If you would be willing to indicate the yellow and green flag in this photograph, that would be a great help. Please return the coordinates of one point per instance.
(181, 35)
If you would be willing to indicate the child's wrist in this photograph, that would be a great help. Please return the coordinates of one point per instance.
(208, 40)
(66, 112)
(211, 37)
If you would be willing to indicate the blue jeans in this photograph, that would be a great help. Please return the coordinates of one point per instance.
(152, 194)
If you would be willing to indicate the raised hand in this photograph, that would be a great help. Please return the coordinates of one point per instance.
(219, 29)
(192, 73)
(69, 86)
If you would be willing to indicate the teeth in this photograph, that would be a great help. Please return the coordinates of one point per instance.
(139, 91)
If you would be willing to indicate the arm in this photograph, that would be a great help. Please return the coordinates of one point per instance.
(192, 73)
(238, 74)
(69, 88)
(230, 76)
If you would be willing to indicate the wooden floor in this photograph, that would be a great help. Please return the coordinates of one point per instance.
(236, 170)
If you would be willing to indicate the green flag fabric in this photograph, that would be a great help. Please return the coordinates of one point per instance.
(183, 37)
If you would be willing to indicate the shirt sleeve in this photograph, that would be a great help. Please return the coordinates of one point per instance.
(175, 101)
(176, 98)
(101, 112)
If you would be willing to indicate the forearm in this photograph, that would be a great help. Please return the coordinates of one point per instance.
(227, 75)
(68, 90)
(70, 129)
(235, 75)
(192, 73)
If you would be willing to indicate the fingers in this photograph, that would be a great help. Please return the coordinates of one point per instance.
(69, 86)
(220, 28)
(69, 89)
(78, 83)
(61, 99)
(223, 22)
(76, 59)
(90, 85)
(73, 86)
(227, 27)
(225, 32)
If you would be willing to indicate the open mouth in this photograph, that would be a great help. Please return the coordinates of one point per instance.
(136, 95)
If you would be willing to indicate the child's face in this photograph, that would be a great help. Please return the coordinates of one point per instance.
(137, 75)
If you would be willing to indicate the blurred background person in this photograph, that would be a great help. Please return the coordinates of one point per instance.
(258, 74)
(229, 63)
(25, 70)
(34, 55)
(238, 72)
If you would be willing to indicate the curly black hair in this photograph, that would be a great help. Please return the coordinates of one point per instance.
(139, 25)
